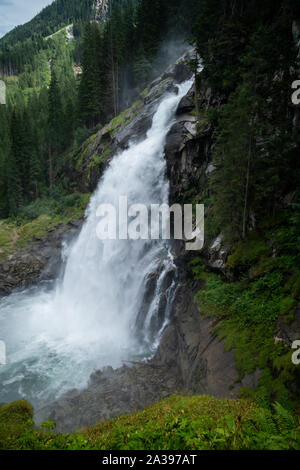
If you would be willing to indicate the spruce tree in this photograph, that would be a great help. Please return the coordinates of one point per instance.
(14, 168)
(55, 122)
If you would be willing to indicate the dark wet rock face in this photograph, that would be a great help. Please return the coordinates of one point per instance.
(164, 283)
(187, 152)
(187, 104)
(159, 89)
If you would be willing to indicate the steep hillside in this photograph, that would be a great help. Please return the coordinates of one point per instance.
(53, 17)
(21, 47)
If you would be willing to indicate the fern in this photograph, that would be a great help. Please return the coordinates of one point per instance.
(283, 419)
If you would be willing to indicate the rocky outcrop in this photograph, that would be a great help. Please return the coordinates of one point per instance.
(38, 261)
(100, 10)
(132, 124)
(187, 151)
(216, 255)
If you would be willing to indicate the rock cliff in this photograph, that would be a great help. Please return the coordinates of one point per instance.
(190, 357)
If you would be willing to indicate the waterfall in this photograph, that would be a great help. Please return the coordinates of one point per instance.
(115, 296)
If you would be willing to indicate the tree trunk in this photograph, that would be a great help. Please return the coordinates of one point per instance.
(247, 190)
(50, 168)
(195, 85)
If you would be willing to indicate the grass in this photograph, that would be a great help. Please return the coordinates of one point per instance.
(35, 220)
(177, 423)
(7, 232)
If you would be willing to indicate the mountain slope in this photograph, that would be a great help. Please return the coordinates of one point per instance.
(60, 13)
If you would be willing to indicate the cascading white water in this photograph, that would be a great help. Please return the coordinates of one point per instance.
(56, 337)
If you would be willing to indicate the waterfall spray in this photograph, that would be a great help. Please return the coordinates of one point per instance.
(115, 297)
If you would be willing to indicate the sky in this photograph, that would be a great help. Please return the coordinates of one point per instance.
(16, 12)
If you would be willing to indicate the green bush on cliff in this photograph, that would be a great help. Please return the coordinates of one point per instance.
(177, 423)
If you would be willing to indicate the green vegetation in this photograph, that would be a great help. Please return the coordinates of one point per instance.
(264, 293)
(177, 423)
(36, 126)
(124, 118)
(60, 13)
(35, 220)
(50, 109)
(252, 196)
(120, 58)
(248, 54)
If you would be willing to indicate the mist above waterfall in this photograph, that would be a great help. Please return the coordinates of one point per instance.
(101, 312)
(169, 52)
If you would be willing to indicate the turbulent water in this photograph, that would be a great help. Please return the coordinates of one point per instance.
(96, 314)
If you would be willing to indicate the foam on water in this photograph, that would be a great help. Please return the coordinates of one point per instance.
(57, 334)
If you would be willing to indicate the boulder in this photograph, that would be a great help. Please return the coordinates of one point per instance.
(217, 254)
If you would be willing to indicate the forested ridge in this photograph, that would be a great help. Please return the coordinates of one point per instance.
(62, 92)
(250, 58)
(60, 13)
(116, 55)
(248, 54)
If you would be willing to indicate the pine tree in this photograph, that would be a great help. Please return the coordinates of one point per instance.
(55, 122)
(90, 86)
(142, 68)
(235, 158)
(14, 168)
(4, 151)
